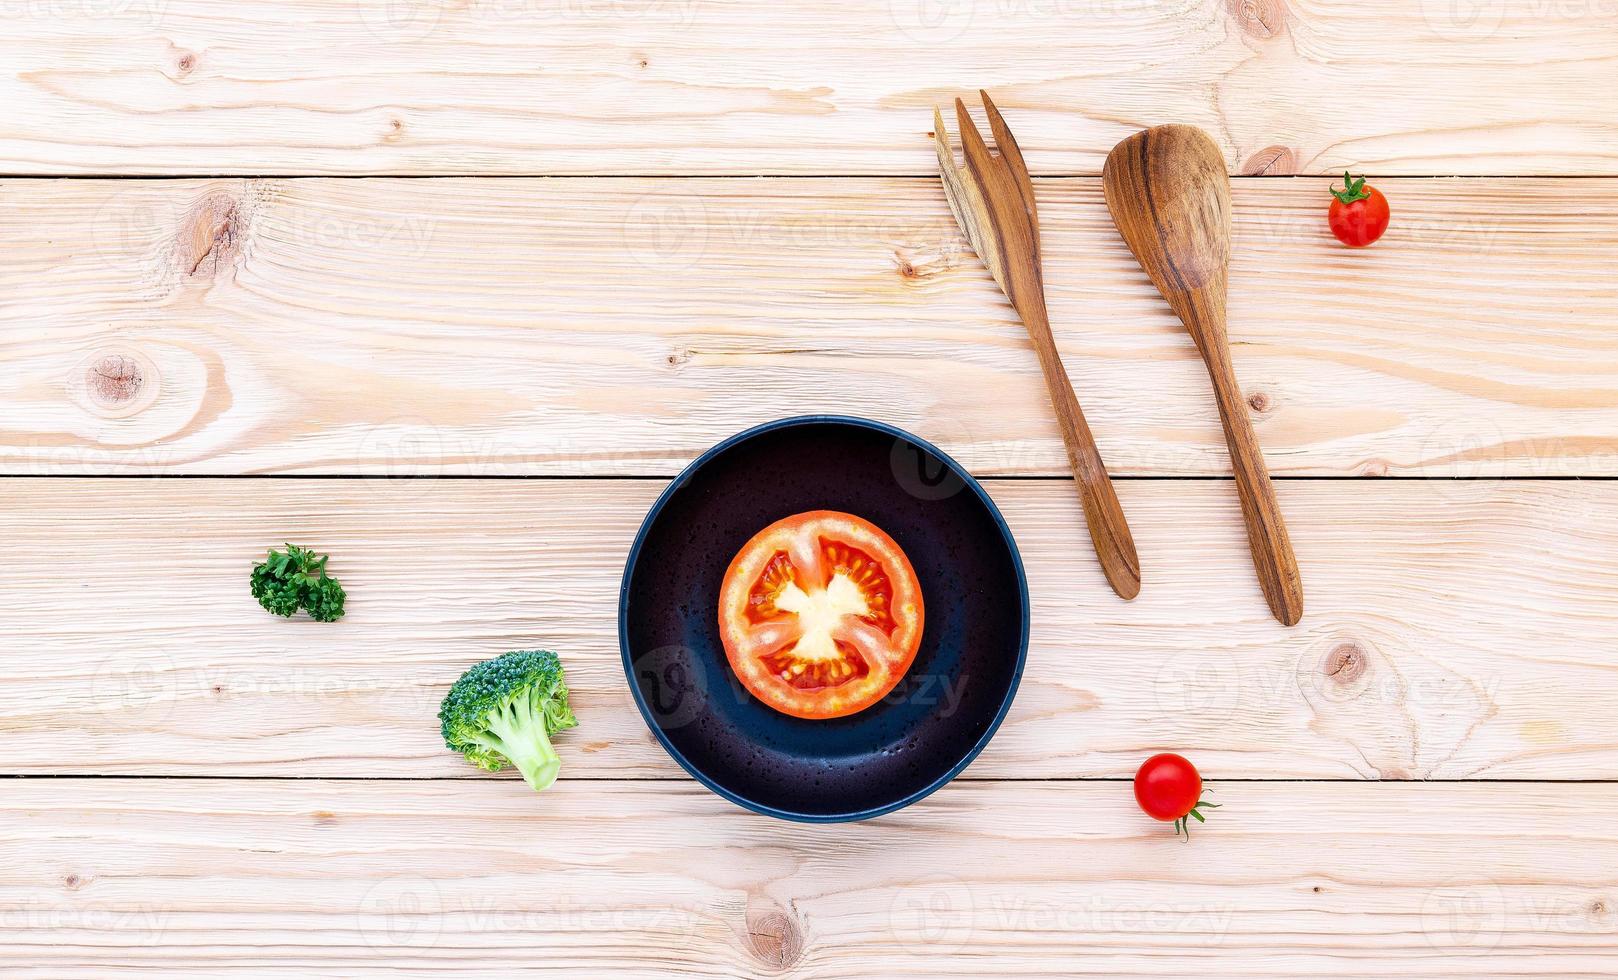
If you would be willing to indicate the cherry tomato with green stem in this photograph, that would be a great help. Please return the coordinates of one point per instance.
(1358, 214)
(1168, 787)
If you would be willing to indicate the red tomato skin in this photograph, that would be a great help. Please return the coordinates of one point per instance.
(1167, 786)
(1362, 222)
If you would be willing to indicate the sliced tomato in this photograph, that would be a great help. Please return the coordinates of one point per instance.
(820, 614)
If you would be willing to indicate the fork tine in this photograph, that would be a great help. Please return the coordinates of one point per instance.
(977, 154)
(954, 193)
(946, 158)
(1012, 154)
(964, 191)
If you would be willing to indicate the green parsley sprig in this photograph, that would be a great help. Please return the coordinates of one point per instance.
(294, 579)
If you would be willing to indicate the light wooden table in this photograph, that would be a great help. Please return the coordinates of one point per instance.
(244, 347)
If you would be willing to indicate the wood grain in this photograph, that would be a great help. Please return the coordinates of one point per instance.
(833, 86)
(992, 199)
(1456, 631)
(326, 878)
(497, 327)
(1170, 198)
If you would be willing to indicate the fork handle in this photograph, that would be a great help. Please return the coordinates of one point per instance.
(1114, 545)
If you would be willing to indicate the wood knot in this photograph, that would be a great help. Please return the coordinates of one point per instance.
(677, 358)
(1343, 673)
(115, 379)
(916, 265)
(1261, 19)
(115, 383)
(1598, 909)
(73, 882)
(186, 62)
(774, 938)
(1345, 664)
(395, 130)
(1258, 401)
(1270, 160)
(324, 818)
(211, 234)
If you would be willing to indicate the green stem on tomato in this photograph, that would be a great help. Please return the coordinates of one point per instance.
(1353, 189)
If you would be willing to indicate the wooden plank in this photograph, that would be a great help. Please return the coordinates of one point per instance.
(306, 878)
(1454, 630)
(620, 326)
(831, 86)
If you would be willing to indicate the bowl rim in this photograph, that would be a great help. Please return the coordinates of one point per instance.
(682, 479)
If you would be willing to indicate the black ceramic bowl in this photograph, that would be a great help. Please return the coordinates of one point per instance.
(898, 750)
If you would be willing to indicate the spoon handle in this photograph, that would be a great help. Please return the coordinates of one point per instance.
(1115, 546)
(1267, 534)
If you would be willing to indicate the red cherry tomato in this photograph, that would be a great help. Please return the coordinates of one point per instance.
(1359, 214)
(1168, 787)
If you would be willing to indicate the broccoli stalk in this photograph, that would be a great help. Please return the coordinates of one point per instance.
(506, 710)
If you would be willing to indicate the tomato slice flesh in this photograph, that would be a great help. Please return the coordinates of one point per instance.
(811, 675)
(820, 614)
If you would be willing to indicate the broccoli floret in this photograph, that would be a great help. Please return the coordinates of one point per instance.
(506, 710)
(283, 582)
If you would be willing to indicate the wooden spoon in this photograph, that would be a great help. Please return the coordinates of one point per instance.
(1170, 198)
(992, 198)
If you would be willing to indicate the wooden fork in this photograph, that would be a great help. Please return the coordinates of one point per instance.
(993, 201)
